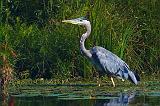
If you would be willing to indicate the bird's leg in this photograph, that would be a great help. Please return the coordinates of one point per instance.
(99, 82)
(113, 82)
(98, 79)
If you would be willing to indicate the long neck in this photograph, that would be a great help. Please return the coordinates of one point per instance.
(82, 41)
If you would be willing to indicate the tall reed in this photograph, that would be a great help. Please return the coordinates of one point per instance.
(48, 48)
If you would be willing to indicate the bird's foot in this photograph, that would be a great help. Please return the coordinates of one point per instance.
(99, 85)
(99, 82)
(114, 85)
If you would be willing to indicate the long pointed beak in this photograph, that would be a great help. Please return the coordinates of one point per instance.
(67, 21)
(70, 21)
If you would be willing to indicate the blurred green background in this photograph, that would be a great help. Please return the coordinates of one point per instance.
(38, 45)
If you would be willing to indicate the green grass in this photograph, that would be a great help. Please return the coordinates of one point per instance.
(45, 47)
(81, 86)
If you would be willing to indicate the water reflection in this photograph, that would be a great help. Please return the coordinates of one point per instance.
(19, 100)
(122, 100)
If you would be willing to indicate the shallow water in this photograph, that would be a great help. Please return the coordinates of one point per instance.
(118, 99)
(79, 95)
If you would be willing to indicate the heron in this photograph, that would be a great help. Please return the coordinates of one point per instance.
(106, 62)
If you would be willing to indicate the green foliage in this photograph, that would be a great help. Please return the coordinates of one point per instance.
(48, 48)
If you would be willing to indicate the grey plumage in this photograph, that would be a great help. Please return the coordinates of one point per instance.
(105, 61)
(111, 64)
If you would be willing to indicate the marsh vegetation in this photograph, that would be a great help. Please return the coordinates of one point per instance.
(36, 47)
(40, 56)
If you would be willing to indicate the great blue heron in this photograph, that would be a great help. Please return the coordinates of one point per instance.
(106, 62)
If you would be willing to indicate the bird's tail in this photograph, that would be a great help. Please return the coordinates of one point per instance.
(133, 77)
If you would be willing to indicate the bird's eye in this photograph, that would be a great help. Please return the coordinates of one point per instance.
(80, 20)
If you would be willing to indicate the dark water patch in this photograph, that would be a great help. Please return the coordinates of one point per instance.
(86, 95)
(72, 99)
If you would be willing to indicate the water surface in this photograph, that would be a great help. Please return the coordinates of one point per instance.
(122, 99)
(81, 96)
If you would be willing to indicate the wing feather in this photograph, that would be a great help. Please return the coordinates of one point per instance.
(109, 62)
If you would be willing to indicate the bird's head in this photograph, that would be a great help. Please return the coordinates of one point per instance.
(79, 21)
